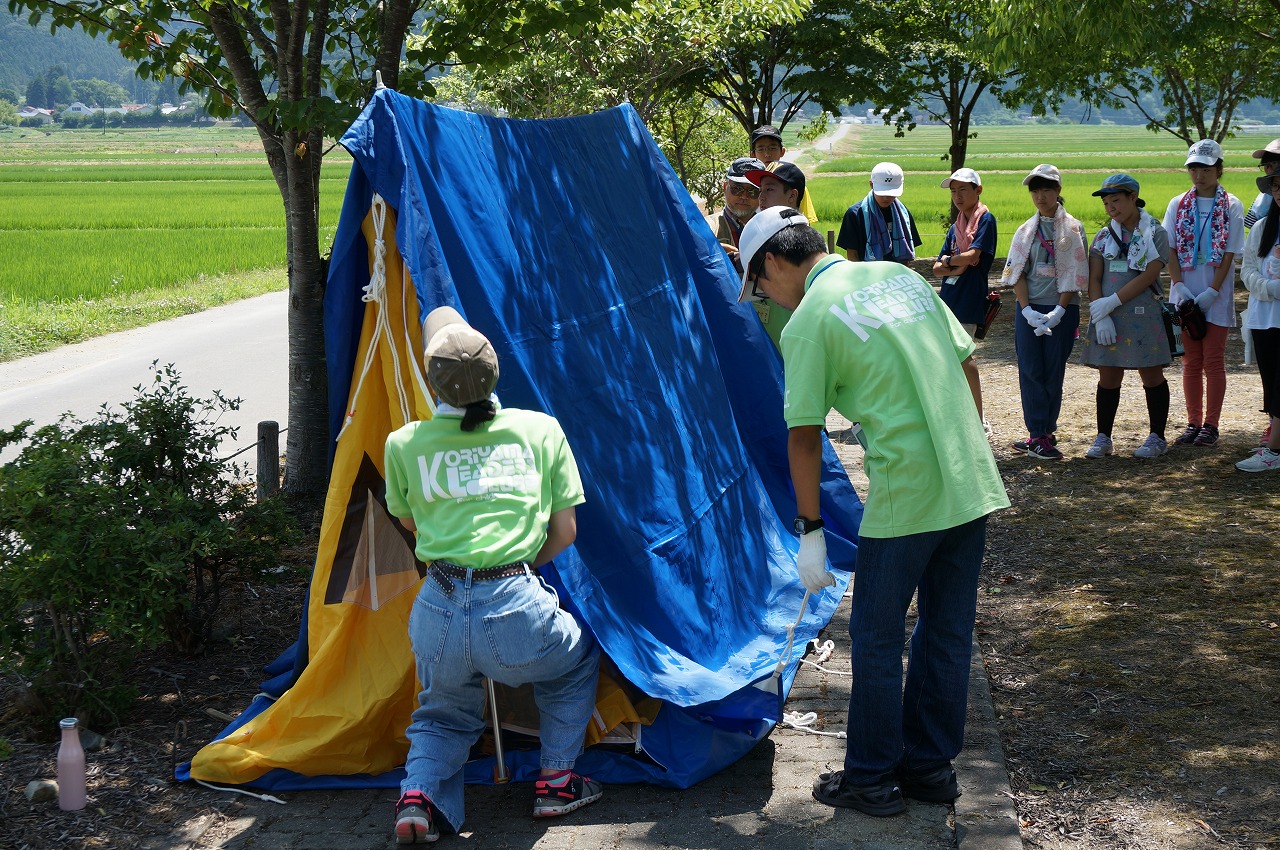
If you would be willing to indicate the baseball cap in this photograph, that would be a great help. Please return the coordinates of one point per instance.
(787, 172)
(1117, 183)
(1272, 148)
(886, 179)
(964, 175)
(765, 132)
(1204, 152)
(1048, 172)
(738, 169)
(461, 363)
(759, 230)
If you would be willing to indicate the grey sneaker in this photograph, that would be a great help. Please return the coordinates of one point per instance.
(561, 796)
(1152, 446)
(1101, 447)
(1264, 460)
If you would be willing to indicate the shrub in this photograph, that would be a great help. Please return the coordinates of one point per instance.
(119, 533)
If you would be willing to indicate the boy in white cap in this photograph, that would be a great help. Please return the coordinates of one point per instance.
(873, 341)
(879, 227)
(489, 494)
(1205, 226)
(968, 250)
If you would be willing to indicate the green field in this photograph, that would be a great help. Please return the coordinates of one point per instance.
(89, 215)
(1003, 156)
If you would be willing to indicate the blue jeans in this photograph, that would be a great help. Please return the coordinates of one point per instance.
(921, 727)
(513, 631)
(1042, 366)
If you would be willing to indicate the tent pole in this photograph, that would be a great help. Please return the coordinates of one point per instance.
(500, 774)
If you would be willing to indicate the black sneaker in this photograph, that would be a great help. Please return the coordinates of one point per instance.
(1208, 436)
(880, 800)
(1188, 436)
(1041, 448)
(931, 786)
(561, 796)
(414, 824)
(1021, 445)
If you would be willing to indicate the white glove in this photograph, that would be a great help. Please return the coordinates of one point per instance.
(1044, 330)
(1205, 299)
(812, 562)
(1054, 316)
(1104, 330)
(1179, 293)
(1034, 317)
(1273, 289)
(1103, 307)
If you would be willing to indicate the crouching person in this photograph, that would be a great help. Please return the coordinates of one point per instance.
(489, 494)
(875, 342)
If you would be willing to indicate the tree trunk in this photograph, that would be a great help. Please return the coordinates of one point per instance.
(307, 447)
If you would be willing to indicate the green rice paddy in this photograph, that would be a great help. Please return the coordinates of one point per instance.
(90, 216)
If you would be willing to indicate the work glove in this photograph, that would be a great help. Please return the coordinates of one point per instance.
(812, 562)
(1205, 299)
(1104, 330)
(1179, 293)
(1104, 306)
(1034, 317)
(1273, 289)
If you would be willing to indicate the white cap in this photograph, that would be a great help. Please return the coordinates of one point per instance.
(1204, 152)
(759, 230)
(964, 175)
(886, 179)
(1048, 172)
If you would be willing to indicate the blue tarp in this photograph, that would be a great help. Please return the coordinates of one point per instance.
(574, 247)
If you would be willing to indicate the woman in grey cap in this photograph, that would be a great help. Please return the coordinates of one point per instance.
(1270, 164)
(489, 494)
(1126, 330)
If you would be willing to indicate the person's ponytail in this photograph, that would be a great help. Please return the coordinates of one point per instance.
(477, 413)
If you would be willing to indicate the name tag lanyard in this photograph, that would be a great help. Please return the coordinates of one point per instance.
(1046, 244)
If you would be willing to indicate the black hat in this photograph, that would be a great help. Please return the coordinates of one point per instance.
(765, 132)
(787, 172)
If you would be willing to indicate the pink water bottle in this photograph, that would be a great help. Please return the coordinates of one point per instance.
(71, 778)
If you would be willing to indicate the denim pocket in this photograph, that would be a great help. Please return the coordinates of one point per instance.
(518, 636)
(428, 631)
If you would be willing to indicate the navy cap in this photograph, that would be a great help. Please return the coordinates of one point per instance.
(1117, 183)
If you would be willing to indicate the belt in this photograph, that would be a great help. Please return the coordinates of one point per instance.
(443, 571)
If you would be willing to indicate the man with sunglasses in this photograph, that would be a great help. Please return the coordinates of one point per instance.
(875, 342)
(741, 199)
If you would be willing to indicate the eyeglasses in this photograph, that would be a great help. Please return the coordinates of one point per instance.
(740, 191)
(1269, 165)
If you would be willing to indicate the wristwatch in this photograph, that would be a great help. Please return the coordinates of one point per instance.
(803, 526)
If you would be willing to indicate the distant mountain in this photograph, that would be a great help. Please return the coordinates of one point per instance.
(26, 51)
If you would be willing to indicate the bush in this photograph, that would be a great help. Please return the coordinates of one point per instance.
(117, 534)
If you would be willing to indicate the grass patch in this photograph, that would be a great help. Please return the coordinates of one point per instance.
(28, 328)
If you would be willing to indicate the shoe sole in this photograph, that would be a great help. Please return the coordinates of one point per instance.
(876, 810)
(1262, 469)
(1035, 456)
(556, 811)
(939, 796)
(415, 832)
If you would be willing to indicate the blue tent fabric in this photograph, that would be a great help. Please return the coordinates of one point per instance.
(573, 246)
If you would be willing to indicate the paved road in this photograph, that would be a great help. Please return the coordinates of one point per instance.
(240, 349)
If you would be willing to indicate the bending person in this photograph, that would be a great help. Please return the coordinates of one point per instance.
(490, 494)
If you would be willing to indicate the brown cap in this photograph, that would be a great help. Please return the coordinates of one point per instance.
(1272, 148)
(461, 363)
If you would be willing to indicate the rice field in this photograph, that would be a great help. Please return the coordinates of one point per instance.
(88, 216)
(1004, 155)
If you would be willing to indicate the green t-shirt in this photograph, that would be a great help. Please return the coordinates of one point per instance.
(874, 341)
(481, 498)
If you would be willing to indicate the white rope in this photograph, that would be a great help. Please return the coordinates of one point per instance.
(791, 637)
(804, 723)
(267, 797)
(824, 651)
(376, 293)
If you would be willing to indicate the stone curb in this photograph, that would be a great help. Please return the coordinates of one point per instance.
(985, 815)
